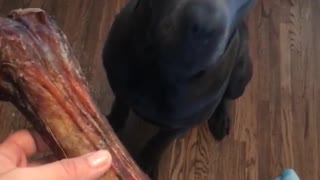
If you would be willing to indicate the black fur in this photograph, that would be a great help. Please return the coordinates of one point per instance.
(176, 63)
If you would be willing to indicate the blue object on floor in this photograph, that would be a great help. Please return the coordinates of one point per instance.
(288, 174)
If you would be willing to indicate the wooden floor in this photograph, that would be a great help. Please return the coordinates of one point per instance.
(276, 124)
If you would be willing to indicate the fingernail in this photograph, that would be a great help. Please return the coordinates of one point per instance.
(99, 159)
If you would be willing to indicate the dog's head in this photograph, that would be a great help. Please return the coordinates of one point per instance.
(188, 34)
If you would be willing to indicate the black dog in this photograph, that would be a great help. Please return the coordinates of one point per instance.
(176, 63)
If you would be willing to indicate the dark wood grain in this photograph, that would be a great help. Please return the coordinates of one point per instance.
(276, 124)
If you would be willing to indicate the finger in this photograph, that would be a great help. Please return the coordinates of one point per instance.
(41, 146)
(86, 167)
(17, 147)
(12, 150)
(29, 142)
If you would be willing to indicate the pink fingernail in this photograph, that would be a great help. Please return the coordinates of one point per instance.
(99, 159)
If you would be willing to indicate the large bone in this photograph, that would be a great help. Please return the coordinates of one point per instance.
(41, 76)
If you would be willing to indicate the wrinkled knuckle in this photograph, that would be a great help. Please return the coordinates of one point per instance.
(71, 169)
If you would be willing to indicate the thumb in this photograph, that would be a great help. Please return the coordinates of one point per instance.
(87, 167)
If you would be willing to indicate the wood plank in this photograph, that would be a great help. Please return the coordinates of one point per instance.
(275, 124)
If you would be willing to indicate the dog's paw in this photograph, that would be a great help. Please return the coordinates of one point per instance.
(219, 125)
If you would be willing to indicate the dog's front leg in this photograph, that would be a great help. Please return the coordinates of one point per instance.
(219, 122)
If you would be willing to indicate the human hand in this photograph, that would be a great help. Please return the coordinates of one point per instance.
(16, 149)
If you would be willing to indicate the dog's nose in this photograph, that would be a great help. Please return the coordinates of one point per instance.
(204, 17)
